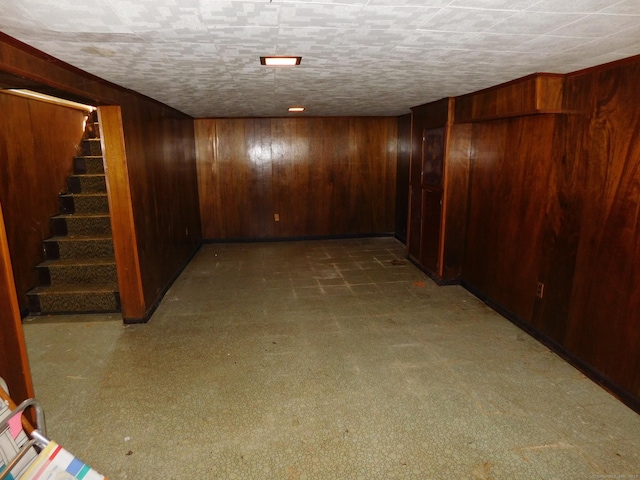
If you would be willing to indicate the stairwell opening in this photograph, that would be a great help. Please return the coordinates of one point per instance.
(78, 273)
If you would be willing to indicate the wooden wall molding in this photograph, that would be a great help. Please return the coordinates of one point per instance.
(536, 94)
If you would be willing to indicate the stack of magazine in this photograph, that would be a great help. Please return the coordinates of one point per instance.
(25, 458)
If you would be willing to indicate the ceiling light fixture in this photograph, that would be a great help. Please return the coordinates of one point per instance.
(296, 109)
(280, 61)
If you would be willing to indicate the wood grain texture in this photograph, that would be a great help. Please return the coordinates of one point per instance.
(402, 176)
(441, 180)
(37, 144)
(160, 149)
(556, 198)
(125, 240)
(507, 199)
(14, 363)
(533, 94)
(320, 176)
(603, 324)
(455, 199)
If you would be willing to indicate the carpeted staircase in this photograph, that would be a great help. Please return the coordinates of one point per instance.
(79, 272)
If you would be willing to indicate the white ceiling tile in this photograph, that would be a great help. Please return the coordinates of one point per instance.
(258, 37)
(379, 18)
(74, 16)
(633, 32)
(625, 7)
(319, 15)
(551, 45)
(570, 6)
(410, 3)
(497, 41)
(465, 19)
(234, 13)
(535, 23)
(436, 39)
(150, 15)
(305, 40)
(598, 25)
(514, 5)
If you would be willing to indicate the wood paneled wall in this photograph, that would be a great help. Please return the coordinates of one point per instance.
(402, 176)
(321, 176)
(161, 162)
(37, 144)
(555, 198)
(604, 311)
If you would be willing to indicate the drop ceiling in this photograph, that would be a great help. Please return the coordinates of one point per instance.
(359, 57)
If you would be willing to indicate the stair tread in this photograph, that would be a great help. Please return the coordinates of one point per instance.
(71, 262)
(83, 288)
(87, 175)
(82, 215)
(84, 194)
(88, 156)
(67, 238)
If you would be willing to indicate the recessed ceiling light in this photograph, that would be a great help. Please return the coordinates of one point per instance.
(280, 61)
(296, 109)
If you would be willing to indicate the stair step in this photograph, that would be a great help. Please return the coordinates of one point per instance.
(78, 247)
(92, 130)
(88, 164)
(74, 299)
(89, 183)
(91, 146)
(81, 224)
(89, 271)
(84, 203)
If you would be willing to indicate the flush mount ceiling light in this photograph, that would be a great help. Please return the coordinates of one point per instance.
(280, 61)
(296, 109)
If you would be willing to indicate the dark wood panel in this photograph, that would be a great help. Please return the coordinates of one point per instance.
(455, 199)
(321, 176)
(160, 151)
(415, 222)
(537, 93)
(508, 196)
(37, 144)
(402, 176)
(291, 173)
(433, 141)
(603, 327)
(431, 230)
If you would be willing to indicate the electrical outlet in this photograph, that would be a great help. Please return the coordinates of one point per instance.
(540, 290)
(276, 217)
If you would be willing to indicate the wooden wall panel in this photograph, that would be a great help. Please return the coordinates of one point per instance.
(402, 176)
(537, 93)
(456, 194)
(603, 316)
(160, 151)
(321, 176)
(508, 196)
(37, 144)
(291, 171)
(556, 198)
